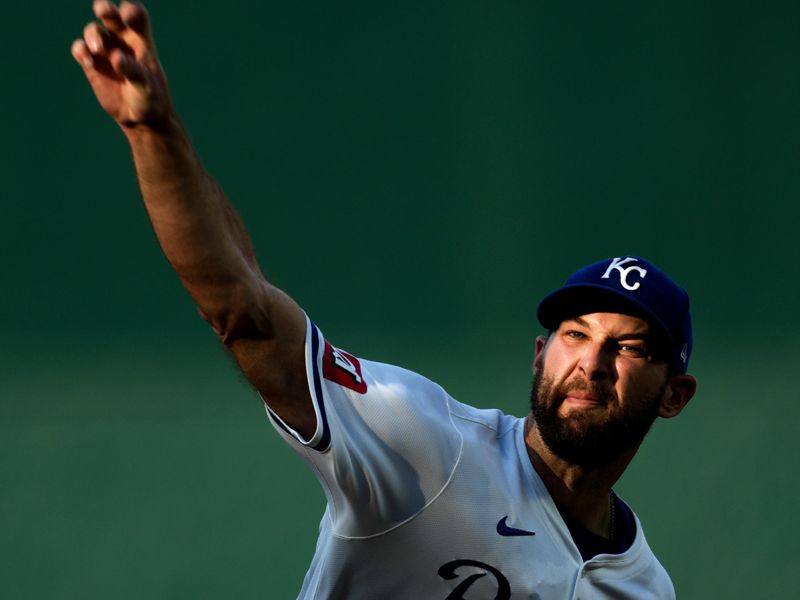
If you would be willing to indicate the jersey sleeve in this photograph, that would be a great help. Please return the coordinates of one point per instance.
(385, 445)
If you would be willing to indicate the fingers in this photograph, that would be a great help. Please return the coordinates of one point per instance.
(81, 54)
(124, 64)
(111, 44)
(92, 54)
(118, 43)
(97, 38)
(128, 15)
(109, 15)
(135, 16)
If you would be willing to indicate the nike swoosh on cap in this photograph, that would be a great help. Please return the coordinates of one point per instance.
(504, 529)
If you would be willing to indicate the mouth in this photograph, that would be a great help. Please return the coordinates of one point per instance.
(582, 396)
(582, 400)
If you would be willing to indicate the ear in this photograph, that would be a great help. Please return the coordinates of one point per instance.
(538, 360)
(680, 390)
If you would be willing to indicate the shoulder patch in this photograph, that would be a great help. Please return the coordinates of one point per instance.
(343, 368)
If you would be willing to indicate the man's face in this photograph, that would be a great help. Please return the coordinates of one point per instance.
(597, 387)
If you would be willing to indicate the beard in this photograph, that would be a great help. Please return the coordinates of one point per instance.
(590, 438)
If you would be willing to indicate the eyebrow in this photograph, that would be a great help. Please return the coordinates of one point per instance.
(579, 321)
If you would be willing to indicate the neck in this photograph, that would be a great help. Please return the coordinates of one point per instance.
(582, 493)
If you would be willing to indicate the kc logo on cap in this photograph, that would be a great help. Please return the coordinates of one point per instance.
(617, 263)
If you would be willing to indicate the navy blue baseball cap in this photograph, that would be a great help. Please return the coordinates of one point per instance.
(627, 285)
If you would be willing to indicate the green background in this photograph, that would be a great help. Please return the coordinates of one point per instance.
(417, 175)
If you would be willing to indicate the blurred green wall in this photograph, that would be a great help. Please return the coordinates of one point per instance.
(417, 175)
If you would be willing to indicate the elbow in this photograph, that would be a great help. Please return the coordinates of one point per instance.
(238, 315)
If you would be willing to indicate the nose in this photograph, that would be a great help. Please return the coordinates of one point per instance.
(596, 362)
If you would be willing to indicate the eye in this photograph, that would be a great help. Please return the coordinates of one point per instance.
(637, 351)
(574, 334)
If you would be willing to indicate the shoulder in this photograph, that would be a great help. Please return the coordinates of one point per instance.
(494, 421)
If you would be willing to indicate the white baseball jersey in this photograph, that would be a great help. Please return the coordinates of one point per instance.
(429, 498)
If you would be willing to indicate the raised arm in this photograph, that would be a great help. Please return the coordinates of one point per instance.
(201, 234)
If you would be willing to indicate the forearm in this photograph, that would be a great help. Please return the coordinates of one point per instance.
(199, 231)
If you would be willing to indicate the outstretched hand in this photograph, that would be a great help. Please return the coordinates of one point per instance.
(119, 59)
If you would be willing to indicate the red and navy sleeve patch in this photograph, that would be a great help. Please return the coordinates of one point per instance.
(343, 368)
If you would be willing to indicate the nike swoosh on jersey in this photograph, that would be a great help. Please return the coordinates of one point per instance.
(504, 529)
